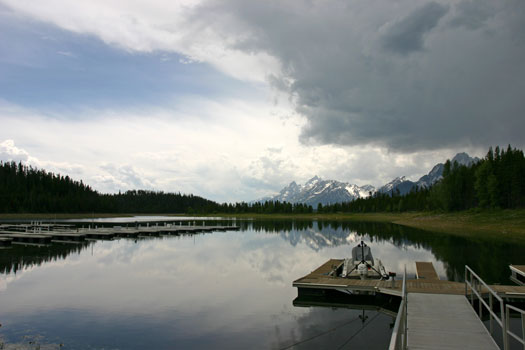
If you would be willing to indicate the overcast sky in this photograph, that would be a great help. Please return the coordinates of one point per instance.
(234, 99)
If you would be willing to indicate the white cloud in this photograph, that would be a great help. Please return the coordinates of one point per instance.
(9, 152)
(405, 75)
(225, 151)
(154, 25)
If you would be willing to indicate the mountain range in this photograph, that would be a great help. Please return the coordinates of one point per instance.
(317, 190)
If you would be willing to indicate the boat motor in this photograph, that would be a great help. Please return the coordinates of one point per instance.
(362, 269)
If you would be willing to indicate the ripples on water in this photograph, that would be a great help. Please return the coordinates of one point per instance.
(221, 290)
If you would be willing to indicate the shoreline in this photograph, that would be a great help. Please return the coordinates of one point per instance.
(505, 224)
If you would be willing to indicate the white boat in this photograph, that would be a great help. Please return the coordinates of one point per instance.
(362, 265)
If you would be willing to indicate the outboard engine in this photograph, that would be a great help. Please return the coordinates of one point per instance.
(362, 269)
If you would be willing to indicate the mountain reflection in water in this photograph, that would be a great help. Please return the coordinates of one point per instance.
(230, 290)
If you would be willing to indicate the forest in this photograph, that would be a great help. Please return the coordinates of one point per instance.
(24, 189)
(496, 181)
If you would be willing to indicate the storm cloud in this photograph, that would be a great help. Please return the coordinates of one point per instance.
(229, 99)
(405, 75)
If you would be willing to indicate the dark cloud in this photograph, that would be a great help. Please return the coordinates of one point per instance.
(405, 75)
(406, 35)
(473, 14)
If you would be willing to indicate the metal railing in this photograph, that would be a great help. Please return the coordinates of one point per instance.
(476, 284)
(399, 334)
(507, 323)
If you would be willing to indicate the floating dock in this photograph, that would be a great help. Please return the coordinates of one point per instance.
(323, 278)
(435, 314)
(26, 238)
(517, 274)
(65, 237)
(41, 234)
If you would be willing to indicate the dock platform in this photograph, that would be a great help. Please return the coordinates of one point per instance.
(25, 238)
(517, 274)
(429, 282)
(439, 321)
(437, 312)
(426, 271)
(59, 236)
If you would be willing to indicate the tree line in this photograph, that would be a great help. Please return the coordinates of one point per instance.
(496, 181)
(25, 189)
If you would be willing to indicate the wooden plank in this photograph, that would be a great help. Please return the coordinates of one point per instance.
(425, 270)
(437, 321)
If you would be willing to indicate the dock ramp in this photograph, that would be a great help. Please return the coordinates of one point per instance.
(445, 321)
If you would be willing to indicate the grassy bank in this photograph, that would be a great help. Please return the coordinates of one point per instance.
(505, 224)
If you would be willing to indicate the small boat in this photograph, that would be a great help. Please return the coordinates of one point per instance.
(362, 265)
(359, 275)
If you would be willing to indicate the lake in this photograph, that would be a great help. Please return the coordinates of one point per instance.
(220, 290)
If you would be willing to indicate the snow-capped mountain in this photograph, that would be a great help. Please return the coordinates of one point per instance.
(317, 190)
(404, 185)
(399, 183)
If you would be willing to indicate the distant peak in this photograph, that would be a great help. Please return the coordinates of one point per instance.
(313, 179)
(464, 159)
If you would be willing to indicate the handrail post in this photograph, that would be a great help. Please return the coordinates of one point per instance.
(480, 306)
(471, 290)
(506, 335)
(405, 345)
(523, 329)
(505, 319)
(491, 303)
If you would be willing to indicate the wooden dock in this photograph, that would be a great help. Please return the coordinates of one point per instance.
(441, 321)
(429, 282)
(517, 274)
(438, 314)
(65, 237)
(48, 233)
(426, 271)
(25, 238)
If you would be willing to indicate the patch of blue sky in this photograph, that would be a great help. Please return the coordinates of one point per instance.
(42, 66)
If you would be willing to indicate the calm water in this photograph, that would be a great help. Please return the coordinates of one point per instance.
(222, 290)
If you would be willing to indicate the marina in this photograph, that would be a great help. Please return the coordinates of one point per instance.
(233, 289)
(434, 313)
(43, 233)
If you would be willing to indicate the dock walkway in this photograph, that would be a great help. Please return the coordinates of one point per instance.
(438, 314)
(445, 321)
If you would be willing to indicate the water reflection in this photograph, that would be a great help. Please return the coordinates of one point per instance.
(222, 290)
